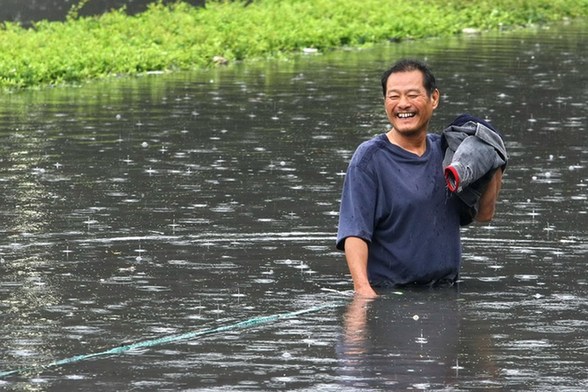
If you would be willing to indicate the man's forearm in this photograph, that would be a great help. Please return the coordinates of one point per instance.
(356, 253)
(488, 199)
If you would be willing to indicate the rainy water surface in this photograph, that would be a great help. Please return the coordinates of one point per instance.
(151, 207)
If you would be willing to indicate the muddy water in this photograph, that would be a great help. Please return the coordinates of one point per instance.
(146, 208)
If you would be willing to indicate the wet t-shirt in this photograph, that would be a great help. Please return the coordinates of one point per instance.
(398, 203)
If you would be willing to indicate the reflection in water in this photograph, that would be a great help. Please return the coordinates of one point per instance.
(28, 291)
(144, 207)
(402, 341)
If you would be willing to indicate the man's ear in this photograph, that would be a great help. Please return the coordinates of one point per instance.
(435, 97)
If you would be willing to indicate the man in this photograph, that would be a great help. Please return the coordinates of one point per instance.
(398, 224)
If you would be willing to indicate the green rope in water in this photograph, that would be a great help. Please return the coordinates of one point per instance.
(252, 322)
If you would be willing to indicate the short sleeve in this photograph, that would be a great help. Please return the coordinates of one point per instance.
(357, 210)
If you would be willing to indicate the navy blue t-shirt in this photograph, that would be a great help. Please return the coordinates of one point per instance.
(398, 203)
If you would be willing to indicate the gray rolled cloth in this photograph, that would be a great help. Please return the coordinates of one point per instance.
(473, 150)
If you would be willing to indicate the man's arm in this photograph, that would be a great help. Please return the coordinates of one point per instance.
(356, 253)
(488, 199)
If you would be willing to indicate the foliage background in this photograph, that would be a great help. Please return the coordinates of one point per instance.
(182, 37)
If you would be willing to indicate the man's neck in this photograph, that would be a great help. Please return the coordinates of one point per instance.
(416, 144)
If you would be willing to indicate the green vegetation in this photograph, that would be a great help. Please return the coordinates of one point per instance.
(181, 37)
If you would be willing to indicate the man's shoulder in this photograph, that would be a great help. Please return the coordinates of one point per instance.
(437, 142)
(376, 142)
(434, 137)
(368, 149)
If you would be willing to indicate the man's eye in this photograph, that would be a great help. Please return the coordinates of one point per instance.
(393, 96)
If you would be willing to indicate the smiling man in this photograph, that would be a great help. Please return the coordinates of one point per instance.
(398, 224)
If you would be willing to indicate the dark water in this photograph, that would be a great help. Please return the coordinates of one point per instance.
(141, 208)
(28, 11)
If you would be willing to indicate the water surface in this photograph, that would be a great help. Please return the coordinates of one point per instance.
(141, 208)
(27, 12)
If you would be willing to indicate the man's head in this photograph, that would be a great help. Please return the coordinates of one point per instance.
(410, 97)
(406, 65)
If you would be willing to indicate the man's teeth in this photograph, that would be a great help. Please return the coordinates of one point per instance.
(405, 115)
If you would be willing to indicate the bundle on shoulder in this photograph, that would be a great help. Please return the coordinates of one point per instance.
(474, 150)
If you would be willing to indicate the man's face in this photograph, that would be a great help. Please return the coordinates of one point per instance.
(408, 106)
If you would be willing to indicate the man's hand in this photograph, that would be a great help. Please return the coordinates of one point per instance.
(366, 292)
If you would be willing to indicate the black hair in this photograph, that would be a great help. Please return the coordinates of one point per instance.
(407, 65)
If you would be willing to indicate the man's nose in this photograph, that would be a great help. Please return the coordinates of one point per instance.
(403, 101)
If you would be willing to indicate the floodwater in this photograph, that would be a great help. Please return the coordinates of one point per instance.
(28, 11)
(152, 207)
